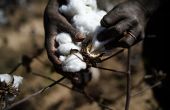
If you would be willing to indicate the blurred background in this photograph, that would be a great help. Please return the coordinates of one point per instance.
(22, 37)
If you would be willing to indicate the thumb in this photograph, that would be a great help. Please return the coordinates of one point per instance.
(75, 34)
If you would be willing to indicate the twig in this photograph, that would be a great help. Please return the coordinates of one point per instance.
(128, 90)
(35, 94)
(15, 68)
(120, 51)
(48, 78)
(124, 73)
(39, 75)
(42, 62)
(91, 99)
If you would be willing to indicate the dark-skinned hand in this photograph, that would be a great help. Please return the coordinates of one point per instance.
(54, 23)
(125, 24)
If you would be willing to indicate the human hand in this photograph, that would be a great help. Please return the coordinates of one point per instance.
(54, 23)
(125, 25)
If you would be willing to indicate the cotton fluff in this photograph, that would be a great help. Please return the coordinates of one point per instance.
(8, 79)
(73, 63)
(63, 38)
(64, 49)
(17, 81)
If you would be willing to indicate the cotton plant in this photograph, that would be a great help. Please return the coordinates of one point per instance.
(85, 17)
(9, 88)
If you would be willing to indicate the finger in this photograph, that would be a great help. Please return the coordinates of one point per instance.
(50, 45)
(78, 37)
(115, 32)
(131, 37)
(111, 18)
(64, 26)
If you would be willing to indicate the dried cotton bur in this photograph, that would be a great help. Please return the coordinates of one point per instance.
(9, 88)
(85, 17)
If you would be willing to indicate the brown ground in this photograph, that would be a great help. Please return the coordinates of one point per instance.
(22, 36)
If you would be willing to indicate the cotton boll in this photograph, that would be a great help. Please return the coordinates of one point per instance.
(6, 78)
(63, 38)
(73, 63)
(17, 81)
(64, 49)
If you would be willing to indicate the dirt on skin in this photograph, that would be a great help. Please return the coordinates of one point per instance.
(24, 36)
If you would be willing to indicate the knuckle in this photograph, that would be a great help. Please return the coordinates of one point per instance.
(118, 29)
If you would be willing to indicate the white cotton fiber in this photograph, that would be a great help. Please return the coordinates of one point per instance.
(98, 45)
(9, 78)
(73, 63)
(75, 7)
(64, 49)
(17, 81)
(62, 58)
(87, 23)
(63, 38)
(5, 78)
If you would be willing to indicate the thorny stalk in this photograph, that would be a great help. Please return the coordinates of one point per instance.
(15, 68)
(35, 94)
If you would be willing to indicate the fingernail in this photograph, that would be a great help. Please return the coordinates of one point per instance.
(79, 37)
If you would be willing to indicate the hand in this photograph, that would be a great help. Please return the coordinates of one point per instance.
(54, 22)
(125, 24)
